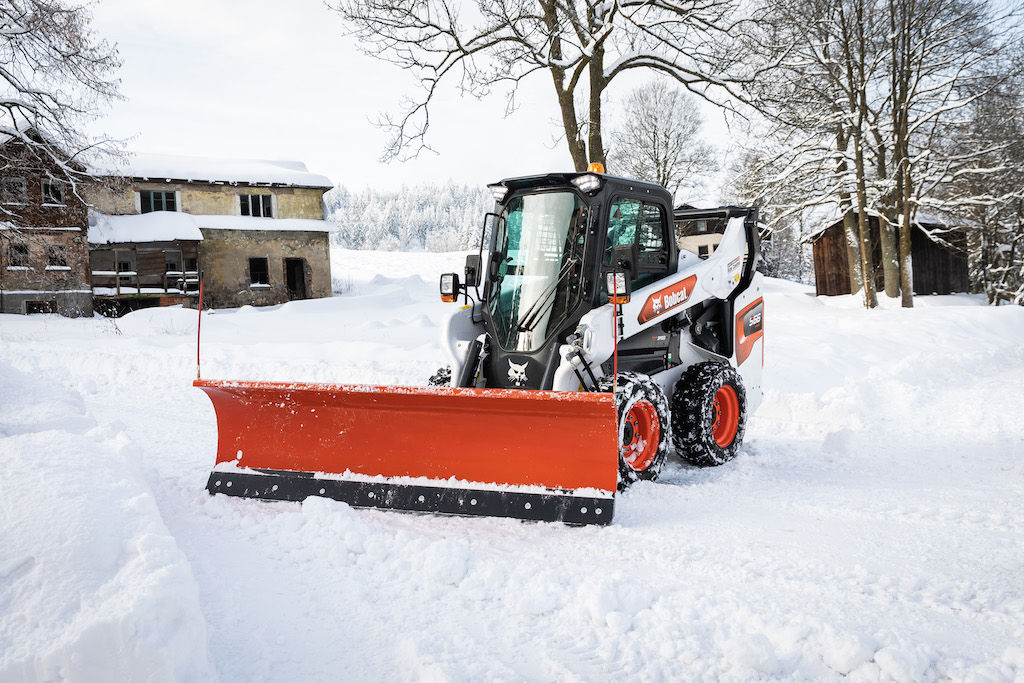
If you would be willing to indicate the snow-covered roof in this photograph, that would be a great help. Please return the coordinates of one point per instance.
(157, 226)
(213, 170)
(164, 226)
(921, 219)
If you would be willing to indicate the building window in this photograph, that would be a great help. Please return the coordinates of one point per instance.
(259, 271)
(15, 191)
(17, 256)
(191, 265)
(256, 205)
(172, 263)
(124, 267)
(53, 192)
(41, 306)
(56, 256)
(156, 200)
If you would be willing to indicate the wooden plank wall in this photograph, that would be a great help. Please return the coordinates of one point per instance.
(831, 271)
(937, 269)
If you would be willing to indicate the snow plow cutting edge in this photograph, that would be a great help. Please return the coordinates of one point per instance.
(534, 455)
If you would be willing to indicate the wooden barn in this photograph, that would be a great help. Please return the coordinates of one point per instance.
(940, 264)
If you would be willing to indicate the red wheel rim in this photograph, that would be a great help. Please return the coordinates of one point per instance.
(641, 435)
(726, 417)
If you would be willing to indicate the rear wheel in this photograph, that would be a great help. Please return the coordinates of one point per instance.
(709, 408)
(644, 427)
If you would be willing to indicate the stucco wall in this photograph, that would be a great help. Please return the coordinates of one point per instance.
(224, 259)
(68, 286)
(209, 199)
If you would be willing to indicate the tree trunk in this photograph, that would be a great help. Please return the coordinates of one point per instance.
(597, 85)
(852, 247)
(906, 266)
(566, 105)
(577, 150)
(849, 217)
(890, 263)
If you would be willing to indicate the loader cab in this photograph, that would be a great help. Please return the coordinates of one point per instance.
(551, 238)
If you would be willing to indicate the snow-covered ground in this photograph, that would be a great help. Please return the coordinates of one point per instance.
(873, 526)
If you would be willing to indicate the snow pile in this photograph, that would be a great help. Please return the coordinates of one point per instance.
(871, 527)
(92, 585)
(156, 226)
(164, 226)
(213, 170)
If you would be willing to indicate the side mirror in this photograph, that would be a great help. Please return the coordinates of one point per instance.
(449, 287)
(472, 270)
(624, 257)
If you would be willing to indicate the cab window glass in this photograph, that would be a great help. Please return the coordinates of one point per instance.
(652, 233)
(631, 221)
(623, 218)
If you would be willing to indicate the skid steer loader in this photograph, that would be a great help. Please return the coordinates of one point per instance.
(588, 346)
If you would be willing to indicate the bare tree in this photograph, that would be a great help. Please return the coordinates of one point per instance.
(660, 140)
(55, 76)
(582, 45)
(869, 93)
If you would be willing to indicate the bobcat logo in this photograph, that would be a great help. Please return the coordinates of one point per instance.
(517, 373)
(657, 305)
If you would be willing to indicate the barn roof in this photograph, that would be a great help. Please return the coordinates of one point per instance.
(927, 222)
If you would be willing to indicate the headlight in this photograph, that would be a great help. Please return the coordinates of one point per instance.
(587, 183)
(449, 287)
(499, 191)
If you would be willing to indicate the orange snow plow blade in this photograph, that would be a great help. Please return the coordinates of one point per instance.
(537, 455)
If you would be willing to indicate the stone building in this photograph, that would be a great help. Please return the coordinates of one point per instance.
(254, 229)
(44, 257)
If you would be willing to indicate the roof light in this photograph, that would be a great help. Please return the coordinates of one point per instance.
(499, 191)
(595, 167)
(587, 183)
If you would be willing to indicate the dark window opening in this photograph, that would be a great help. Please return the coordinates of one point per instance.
(156, 200)
(259, 205)
(171, 263)
(18, 255)
(191, 264)
(703, 251)
(41, 306)
(53, 191)
(124, 266)
(57, 256)
(15, 191)
(259, 271)
(295, 275)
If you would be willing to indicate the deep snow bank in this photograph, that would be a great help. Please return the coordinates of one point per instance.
(92, 585)
(871, 529)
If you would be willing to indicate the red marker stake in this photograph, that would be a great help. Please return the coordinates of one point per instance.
(199, 325)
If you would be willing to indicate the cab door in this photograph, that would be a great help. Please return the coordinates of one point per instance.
(643, 223)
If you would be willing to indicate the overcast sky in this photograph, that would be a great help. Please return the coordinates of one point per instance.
(265, 79)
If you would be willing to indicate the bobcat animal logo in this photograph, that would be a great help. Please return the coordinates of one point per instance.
(657, 305)
(517, 373)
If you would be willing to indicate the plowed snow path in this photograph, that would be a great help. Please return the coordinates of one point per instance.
(873, 526)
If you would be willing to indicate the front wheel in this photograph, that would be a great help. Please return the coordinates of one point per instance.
(709, 406)
(644, 427)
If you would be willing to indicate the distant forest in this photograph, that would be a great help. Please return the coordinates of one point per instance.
(424, 218)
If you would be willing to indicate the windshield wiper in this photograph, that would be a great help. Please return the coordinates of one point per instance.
(529, 320)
